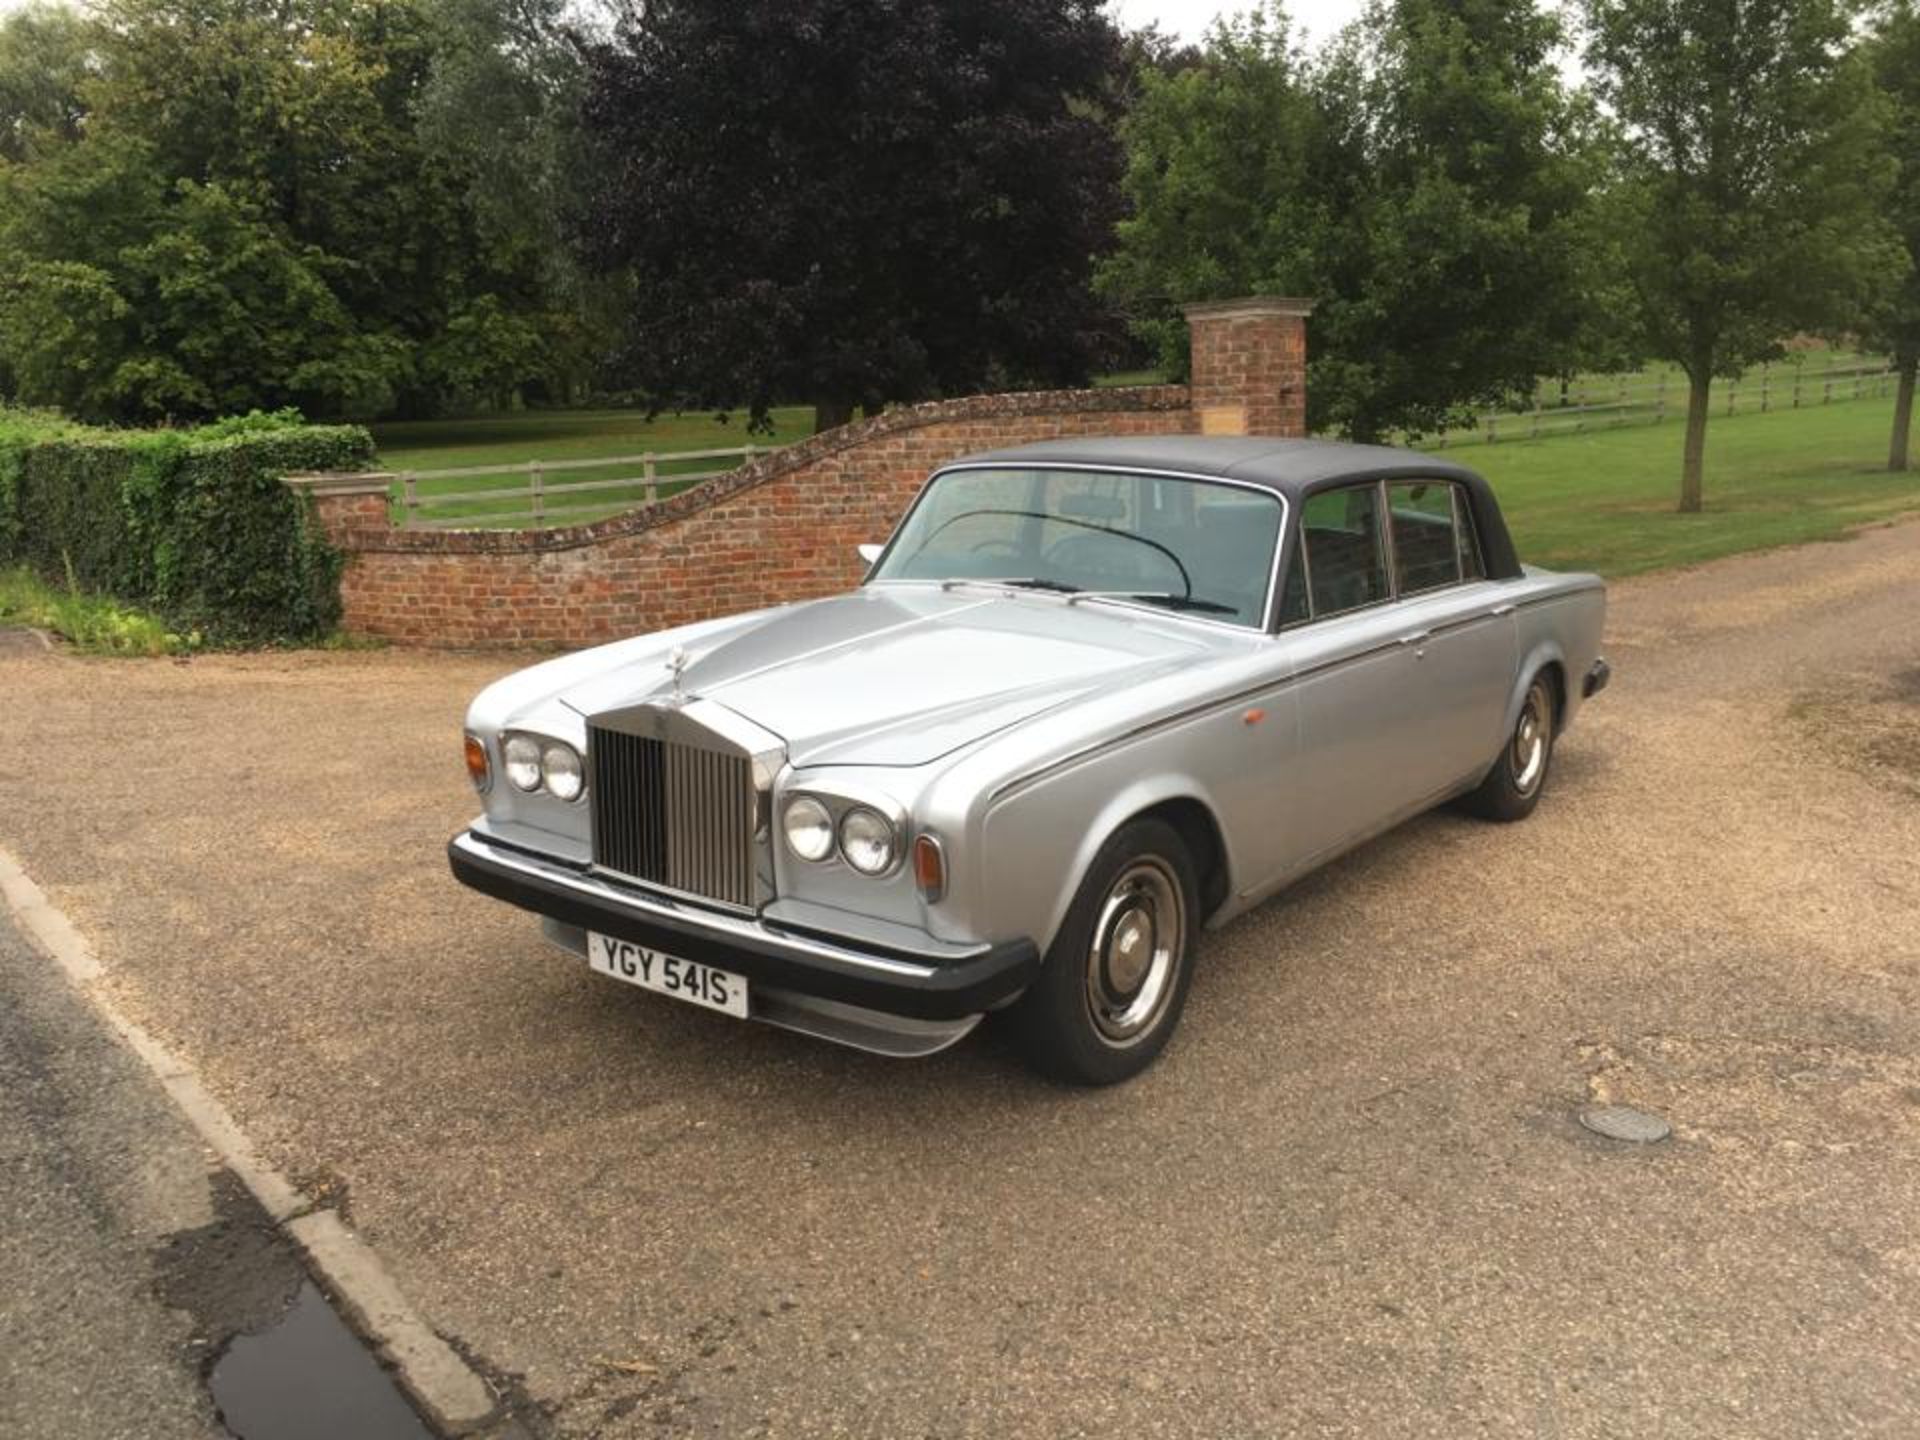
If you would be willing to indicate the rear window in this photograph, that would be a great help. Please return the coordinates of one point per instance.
(1426, 552)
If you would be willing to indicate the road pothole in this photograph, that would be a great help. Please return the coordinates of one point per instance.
(307, 1377)
(280, 1363)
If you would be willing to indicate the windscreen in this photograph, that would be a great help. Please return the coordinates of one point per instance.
(1194, 546)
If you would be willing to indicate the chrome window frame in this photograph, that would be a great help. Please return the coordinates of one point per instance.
(1384, 520)
(1237, 627)
(1381, 528)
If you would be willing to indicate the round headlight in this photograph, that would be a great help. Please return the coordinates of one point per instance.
(523, 762)
(809, 828)
(560, 768)
(867, 840)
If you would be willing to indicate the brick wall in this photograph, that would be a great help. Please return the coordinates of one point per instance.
(782, 528)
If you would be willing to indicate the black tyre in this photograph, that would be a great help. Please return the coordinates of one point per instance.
(1512, 787)
(1115, 979)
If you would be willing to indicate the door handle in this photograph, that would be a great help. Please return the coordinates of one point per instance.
(1418, 637)
(1501, 610)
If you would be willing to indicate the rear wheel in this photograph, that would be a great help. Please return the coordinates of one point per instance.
(1512, 788)
(1115, 980)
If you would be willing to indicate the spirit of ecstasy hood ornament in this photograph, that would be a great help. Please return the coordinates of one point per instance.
(677, 662)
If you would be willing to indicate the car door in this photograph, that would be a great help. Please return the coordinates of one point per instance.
(1403, 656)
(1458, 630)
(1351, 772)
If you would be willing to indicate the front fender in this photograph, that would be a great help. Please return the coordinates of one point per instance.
(1043, 839)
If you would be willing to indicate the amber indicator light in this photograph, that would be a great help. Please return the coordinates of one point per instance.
(1253, 717)
(477, 768)
(929, 867)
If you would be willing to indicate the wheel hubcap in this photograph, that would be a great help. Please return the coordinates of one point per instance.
(1528, 756)
(1136, 952)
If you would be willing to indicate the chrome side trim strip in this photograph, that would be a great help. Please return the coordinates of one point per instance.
(1238, 697)
(1139, 732)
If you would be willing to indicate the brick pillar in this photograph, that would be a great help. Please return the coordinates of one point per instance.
(1250, 365)
(348, 506)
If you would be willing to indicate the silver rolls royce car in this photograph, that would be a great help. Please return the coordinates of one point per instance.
(1091, 697)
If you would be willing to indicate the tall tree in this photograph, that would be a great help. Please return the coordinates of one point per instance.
(45, 57)
(250, 208)
(851, 201)
(1749, 180)
(1424, 180)
(1895, 52)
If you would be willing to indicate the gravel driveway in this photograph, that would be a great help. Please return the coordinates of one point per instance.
(1351, 1200)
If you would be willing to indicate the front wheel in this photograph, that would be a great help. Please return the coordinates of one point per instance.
(1512, 788)
(1115, 979)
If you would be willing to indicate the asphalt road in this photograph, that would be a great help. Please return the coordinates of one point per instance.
(98, 1173)
(1352, 1200)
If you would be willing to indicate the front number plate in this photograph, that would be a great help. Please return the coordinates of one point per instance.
(688, 980)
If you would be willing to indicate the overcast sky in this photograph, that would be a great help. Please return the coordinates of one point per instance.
(1185, 18)
(1189, 18)
(1315, 20)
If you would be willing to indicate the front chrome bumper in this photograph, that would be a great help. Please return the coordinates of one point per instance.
(796, 967)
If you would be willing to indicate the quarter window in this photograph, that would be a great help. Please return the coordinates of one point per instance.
(1346, 562)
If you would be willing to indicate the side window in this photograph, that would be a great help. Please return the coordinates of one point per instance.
(1426, 554)
(1293, 594)
(1346, 563)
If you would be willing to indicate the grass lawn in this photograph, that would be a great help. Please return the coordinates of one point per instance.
(1605, 501)
(570, 435)
(565, 435)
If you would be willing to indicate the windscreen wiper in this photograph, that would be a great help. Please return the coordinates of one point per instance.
(1035, 582)
(1013, 582)
(1185, 602)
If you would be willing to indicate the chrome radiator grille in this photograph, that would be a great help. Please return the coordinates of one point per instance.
(673, 815)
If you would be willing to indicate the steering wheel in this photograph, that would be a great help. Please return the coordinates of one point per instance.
(1009, 548)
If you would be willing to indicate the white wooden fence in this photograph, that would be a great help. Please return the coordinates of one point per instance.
(527, 495)
(1603, 404)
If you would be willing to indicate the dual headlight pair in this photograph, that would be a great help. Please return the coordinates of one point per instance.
(866, 839)
(535, 764)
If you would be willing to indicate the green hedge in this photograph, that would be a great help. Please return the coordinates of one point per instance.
(193, 524)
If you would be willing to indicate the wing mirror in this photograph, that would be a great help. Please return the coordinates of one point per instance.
(870, 553)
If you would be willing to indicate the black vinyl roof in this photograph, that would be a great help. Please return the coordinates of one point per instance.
(1290, 467)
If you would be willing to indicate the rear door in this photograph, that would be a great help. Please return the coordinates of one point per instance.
(1403, 657)
(1457, 629)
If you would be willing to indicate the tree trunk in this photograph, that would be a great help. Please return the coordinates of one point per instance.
(1699, 394)
(831, 414)
(1902, 412)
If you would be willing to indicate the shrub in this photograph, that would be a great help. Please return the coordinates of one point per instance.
(192, 524)
(93, 624)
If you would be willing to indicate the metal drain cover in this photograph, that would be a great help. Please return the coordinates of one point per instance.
(1623, 1122)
